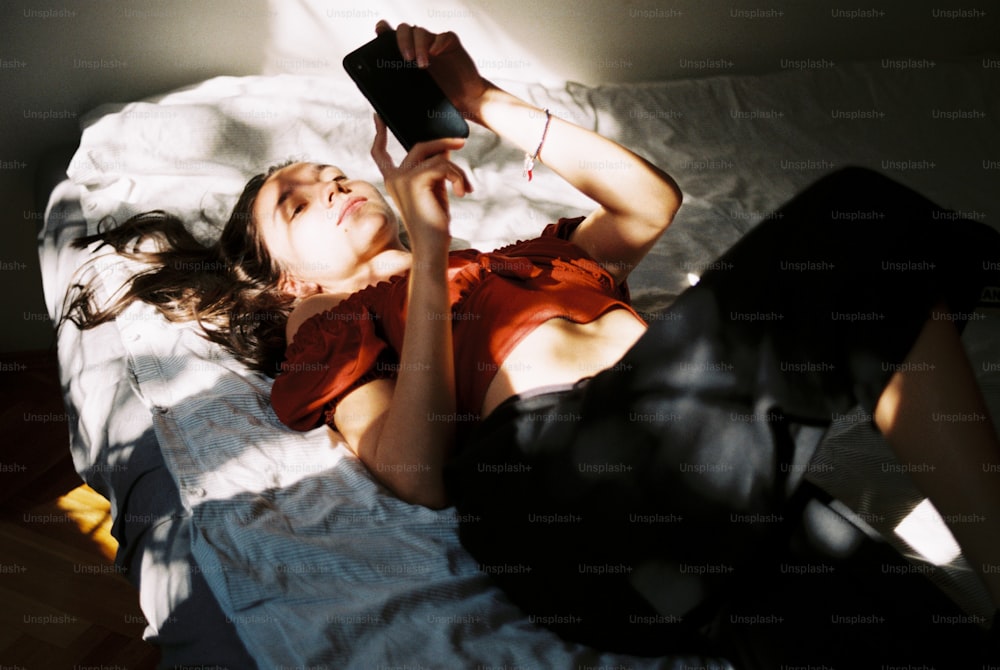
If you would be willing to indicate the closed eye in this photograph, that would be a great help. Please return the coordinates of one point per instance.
(298, 209)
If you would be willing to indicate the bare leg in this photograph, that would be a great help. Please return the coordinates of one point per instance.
(934, 417)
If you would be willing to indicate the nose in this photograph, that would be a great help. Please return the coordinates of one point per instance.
(329, 190)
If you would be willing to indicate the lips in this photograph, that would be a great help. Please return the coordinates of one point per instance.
(348, 207)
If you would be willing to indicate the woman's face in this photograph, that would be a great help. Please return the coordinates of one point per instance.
(320, 226)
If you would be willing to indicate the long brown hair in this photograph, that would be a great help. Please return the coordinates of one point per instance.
(230, 287)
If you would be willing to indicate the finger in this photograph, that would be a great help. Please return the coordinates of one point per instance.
(422, 39)
(464, 186)
(404, 39)
(379, 152)
(382, 26)
(457, 182)
(424, 150)
(441, 166)
(442, 42)
(460, 184)
(467, 186)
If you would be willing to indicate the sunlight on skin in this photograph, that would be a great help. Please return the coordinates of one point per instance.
(937, 381)
(888, 408)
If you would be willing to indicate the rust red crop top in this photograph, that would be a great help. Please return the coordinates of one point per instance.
(497, 298)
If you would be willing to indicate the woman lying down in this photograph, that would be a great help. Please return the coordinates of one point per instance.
(521, 387)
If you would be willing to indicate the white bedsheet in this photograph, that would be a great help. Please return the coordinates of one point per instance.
(316, 566)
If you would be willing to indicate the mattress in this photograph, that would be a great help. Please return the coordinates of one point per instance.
(310, 561)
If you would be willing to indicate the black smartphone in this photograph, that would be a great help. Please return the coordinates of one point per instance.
(407, 98)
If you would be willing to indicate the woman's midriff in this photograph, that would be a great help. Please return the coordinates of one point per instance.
(560, 351)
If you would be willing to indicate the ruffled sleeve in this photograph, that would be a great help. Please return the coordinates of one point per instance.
(331, 354)
(563, 228)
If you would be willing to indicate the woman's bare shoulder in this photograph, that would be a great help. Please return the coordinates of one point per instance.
(310, 307)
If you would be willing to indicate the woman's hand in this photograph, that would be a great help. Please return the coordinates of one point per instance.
(418, 185)
(447, 61)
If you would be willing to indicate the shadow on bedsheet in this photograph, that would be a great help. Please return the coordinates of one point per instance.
(191, 628)
(328, 568)
(154, 535)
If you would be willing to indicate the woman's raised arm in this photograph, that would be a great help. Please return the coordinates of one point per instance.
(403, 430)
(636, 200)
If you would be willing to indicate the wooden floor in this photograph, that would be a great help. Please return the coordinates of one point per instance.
(62, 603)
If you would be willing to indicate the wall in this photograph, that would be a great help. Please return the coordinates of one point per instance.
(591, 41)
(60, 59)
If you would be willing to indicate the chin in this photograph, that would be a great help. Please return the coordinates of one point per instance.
(382, 226)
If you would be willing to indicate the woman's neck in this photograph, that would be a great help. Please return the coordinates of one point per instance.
(381, 267)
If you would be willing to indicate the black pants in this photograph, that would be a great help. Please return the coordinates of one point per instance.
(677, 471)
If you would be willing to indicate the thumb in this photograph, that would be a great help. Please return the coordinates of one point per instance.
(379, 152)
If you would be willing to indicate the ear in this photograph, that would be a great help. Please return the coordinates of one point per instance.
(296, 287)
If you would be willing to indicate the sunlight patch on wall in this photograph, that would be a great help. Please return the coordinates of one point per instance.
(311, 37)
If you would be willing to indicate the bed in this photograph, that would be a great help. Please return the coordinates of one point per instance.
(251, 544)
